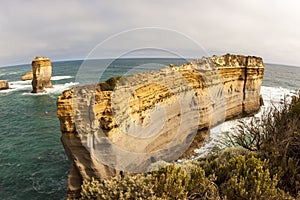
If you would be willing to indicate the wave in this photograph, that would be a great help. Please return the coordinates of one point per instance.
(56, 78)
(56, 89)
(26, 87)
(8, 73)
(272, 96)
(18, 86)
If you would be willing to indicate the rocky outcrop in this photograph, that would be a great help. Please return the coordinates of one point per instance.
(4, 85)
(127, 123)
(42, 71)
(27, 76)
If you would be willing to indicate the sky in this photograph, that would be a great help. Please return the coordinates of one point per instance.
(67, 30)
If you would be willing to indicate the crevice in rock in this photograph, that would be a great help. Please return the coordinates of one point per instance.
(244, 87)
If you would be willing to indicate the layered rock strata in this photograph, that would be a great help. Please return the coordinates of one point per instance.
(42, 71)
(27, 76)
(154, 115)
(4, 85)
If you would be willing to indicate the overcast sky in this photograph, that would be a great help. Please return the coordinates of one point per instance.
(64, 30)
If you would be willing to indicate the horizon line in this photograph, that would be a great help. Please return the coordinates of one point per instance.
(108, 58)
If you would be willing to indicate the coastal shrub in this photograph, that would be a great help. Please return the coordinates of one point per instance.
(186, 181)
(248, 178)
(232, 177)
(241, 174)
(211, 163)
(110, 84)
(276, 137)
(130, 187)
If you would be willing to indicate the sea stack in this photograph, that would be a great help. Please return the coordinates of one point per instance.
(27, 76)
(42, 71)
(4, 85)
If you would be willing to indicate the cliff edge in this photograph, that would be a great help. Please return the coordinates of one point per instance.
(127, 123)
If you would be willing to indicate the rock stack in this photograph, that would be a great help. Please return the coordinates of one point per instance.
(42, 71)
(4, 85)
(27, 76)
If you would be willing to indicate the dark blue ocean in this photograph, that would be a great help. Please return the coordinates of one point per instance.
(33, 164)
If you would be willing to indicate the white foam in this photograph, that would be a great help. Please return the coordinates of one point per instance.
(272, 97)
(56, 89)
(27, 87)
(56, 78)
(18, 86)
(10, 73)
(59, 88)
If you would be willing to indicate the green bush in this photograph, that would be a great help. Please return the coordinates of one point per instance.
(276, 137)
(186, 181)
(248, 178)
(130, 187)
(171, 182)
(110, 84)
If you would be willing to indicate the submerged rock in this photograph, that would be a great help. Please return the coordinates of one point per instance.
(4, 85)
(27, 76)
(152, 116)
(42, 72)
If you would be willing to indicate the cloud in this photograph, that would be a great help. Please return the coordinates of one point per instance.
(71, 29)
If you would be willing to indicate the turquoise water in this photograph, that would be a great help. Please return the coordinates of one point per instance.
(33, 164)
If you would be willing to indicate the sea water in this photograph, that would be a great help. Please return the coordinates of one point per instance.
(33, 164)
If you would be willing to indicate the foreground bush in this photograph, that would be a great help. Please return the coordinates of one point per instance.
(248, 178)
(276, 137)
(185, 181)
(241, 174)
(171, 182)
(231, 177)
(131, 187)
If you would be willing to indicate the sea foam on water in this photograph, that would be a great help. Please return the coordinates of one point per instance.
(26, 86)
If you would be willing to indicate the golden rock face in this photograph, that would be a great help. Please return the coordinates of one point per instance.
(42, 72)
(4, 85)
(156, 114)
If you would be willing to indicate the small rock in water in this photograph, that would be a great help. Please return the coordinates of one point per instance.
(4, 85)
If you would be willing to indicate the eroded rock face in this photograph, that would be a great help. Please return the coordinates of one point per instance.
(42, 71)
(4, 85)
(163, 114)
(27, 76)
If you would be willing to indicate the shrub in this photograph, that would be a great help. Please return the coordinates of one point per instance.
(130, 187)
(171, 182)
(276, 137)
(248, 178)
(186, 181)
(110, 84)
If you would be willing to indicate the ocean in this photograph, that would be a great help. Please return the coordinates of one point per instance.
(33, 164)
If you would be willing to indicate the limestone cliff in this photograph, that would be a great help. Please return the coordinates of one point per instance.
(27, 76)
(4, 85)
(127, 123)
(42, 71)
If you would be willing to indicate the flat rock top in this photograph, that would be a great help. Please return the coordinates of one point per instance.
(38, 58)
